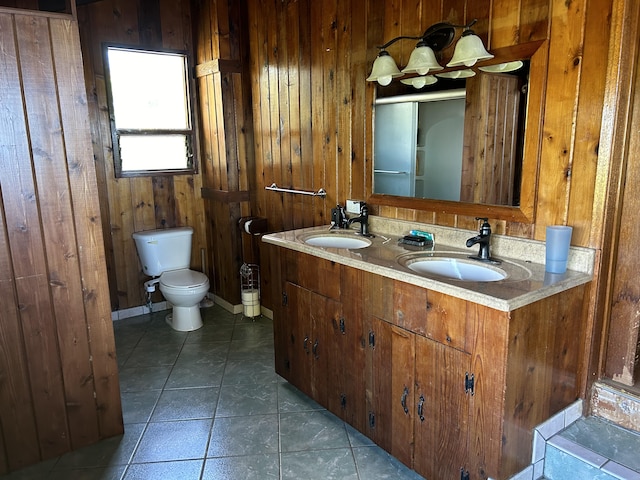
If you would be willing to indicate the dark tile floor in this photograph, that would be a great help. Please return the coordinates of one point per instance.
(208, 405)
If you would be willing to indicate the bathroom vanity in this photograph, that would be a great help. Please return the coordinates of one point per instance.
(450, 376)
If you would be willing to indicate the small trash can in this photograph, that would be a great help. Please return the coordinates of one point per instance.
(250, 289)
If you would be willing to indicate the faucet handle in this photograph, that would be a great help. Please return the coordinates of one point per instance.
(485, 228)
(338, 217)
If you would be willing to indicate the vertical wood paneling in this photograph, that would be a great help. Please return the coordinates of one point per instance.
(53, 191)
(320, 150)
(588, 122)
(343, 122)
(141, 203)
(227, 160)
(88, 230)
(281, 118)
(18, 423)
(37, 316)
(623, 344)
(38, 324)
(272, 152)
(361, 117)
(292, 92)
(330, 97)
(258, 42)
(505, 23)
(59, 382)
(558, 148)
(490, 124)
(534, 20)
(479, 9)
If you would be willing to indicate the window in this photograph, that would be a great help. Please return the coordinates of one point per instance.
(150, 111)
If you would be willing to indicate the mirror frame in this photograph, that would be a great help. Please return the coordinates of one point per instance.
(538, 55)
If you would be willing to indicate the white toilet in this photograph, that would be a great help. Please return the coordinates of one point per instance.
(165, 255)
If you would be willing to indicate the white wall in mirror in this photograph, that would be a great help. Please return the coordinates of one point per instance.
(418, 144)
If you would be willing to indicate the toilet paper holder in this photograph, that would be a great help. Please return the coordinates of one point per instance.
(250, 290)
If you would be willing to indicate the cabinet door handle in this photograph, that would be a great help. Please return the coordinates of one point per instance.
(305, 344)
(315, 349)
(403, 400)
(421, 408)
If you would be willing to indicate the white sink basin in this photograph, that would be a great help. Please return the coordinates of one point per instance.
(337, 241)
(457, 269)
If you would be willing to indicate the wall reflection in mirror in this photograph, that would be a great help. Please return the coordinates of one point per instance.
(458, 139)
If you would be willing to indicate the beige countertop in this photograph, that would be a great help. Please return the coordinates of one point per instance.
(522, 260)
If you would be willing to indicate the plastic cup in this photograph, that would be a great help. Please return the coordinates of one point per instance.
(557, 248)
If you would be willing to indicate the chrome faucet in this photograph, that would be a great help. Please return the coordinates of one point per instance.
(483, 239)
(363, 220)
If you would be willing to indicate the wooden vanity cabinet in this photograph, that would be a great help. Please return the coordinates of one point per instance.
(319, 337)
(416, 388)
(450, 387)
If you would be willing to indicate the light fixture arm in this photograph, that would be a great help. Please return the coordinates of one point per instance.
(394, 40)
(438, 36)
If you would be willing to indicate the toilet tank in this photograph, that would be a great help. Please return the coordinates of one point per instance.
(164, 250)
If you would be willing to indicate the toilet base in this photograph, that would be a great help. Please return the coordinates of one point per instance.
(185, 319)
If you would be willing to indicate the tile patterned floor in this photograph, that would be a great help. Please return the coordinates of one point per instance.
(207, 405)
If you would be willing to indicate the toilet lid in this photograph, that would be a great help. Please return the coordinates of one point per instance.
(183, 278)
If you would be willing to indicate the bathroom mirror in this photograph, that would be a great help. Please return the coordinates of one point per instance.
(509, 194)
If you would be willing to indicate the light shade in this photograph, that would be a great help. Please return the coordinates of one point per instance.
(503, 67)
(422, 60)
(469, 50)
(419, 82)
(466, 73)
(384, 69)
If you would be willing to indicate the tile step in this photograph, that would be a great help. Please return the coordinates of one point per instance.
(593, 448)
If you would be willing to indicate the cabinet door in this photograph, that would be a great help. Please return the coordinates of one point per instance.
(322, 312)
(442, 409)
(307, 320)
(296, 325)
(391, 389)
(345, 349)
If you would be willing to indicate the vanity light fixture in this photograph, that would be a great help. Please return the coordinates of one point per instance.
(437, 37)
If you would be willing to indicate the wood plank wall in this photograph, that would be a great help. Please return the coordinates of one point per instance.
(313, 116)
(58, 374)
(621, 307)
(226, 135)
(143, 203)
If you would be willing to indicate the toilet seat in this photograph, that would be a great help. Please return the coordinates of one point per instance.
(183, 279)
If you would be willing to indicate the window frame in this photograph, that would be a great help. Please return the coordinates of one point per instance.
(190, 133)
